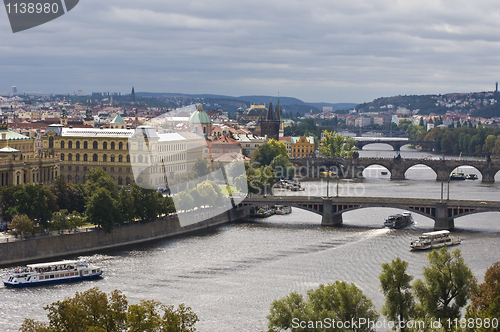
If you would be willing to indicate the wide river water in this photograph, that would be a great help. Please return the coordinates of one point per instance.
(229, 275)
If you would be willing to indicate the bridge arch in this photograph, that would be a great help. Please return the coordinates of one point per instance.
(426, 172)
(376, 171)
(361, 145)
(467, 170)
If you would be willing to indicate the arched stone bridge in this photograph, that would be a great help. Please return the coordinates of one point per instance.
(331, 209)
(353, 167)
(396, 143)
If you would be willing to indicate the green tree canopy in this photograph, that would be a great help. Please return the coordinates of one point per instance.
(102, 209)
(21, 223)
(448, 284)
(395, 284)
(99, 178)
(265, 154)
(94, 311)
(339, 301)
(336, 145)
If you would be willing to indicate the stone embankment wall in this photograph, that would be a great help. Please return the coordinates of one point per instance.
(38, 249)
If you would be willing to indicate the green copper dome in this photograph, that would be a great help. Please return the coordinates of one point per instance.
(199, 117)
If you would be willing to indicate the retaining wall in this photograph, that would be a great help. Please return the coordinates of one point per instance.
(39, 249)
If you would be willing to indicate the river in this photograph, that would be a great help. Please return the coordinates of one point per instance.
(230, 275)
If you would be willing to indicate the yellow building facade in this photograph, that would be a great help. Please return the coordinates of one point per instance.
(302, 147)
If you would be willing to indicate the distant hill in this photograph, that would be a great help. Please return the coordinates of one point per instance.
(292, 104)
(480, 104)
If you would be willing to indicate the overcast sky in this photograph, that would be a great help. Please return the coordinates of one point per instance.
(316, 50)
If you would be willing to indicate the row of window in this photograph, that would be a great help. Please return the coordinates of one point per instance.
(85, 169)
(95, 157)
(95, 145)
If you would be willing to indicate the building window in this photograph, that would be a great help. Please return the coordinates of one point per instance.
(62, 144)
(70, 145)
(120, 146)
(77, 168)
(112, 145)
(85, 145)
(77, 144)
(104, 158)
(95, 145)
(69, 168)
(105, 145)
(139, 159)
(77, 178)
(62, 156)
(127, 181)
(84, 168)
(69, 178)
(120, 158)
(128, 158)
(70, 157)
(119, 170)
(120, 181)
(112, 169)
(94, 157)
(104, 169)
(112, 158)
(62, 170)
(77, 157)
(51, 142)
(85, 157)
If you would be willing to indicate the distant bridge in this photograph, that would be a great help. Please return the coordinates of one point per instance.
(331, 209)
(396, 143)
(353, 167)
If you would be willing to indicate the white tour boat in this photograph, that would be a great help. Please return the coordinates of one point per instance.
(433, 240)
(54, 272)
(282, 209)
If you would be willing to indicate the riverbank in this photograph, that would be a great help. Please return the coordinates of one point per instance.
(93, 240)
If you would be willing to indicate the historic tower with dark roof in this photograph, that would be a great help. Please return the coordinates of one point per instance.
(270, 126)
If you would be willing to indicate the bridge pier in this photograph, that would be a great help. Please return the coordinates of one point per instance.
(441, 220)
(397, 174)
(329, 218)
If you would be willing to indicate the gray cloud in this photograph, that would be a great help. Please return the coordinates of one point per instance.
(319, 50)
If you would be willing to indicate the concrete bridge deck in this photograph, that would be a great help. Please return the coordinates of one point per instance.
(443, 212)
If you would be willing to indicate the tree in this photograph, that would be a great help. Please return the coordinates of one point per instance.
(265, 154)
(101, 209)
(336, 145)
(99, 178)
(37, 202)
(21, 223)
(395, 284)
(95, 311)
(448, 284)
(485, 302)
(200, 168)
(126, 207)
(339, 301)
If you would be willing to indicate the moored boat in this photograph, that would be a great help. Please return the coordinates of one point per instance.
(282, 209)
(399, 220)
(53, 272)
(434, 240)
(471, 176)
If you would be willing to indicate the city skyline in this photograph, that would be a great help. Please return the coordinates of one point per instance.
(347, 51)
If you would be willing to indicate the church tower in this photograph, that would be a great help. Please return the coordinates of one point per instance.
(89, 118)
(64, 117)
(270, 126)
(132, 96)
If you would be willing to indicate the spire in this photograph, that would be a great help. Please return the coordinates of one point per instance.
(88, 114)
(132, 95)
(278, 109)
(271, 115)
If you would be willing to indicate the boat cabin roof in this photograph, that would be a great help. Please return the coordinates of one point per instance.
(436, 233)
(65, 262)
